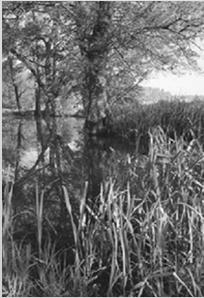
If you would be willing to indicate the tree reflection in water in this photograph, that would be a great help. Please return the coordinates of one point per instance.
(53, 162)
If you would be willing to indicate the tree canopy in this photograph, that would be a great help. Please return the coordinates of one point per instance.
(101, 49)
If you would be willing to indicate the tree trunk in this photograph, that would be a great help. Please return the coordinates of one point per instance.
(94, 48)
(17, 97)
(37, 102)
(18, 151)
(51, 91)
(15, 86)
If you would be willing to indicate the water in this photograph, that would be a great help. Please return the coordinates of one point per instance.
(39, 157)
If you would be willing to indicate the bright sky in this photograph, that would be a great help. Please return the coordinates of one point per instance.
(184, 85)
(188, 84)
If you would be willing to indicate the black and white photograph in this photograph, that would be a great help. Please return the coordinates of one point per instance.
(102, 148)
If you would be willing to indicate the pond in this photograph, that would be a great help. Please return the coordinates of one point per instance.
(39, 157)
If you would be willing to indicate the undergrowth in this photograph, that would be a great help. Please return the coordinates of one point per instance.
(146, 239)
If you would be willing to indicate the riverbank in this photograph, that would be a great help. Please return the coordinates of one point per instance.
(141, 236)
(31, 113)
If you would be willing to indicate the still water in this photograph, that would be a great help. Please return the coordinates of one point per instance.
(39, 157)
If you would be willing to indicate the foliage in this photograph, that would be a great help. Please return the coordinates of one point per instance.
(54, 41)
(143, 36)
(42, 45)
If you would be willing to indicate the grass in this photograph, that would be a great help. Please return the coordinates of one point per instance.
(142, 237)
(133, 121)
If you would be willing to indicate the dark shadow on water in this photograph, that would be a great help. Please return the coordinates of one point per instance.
(102, 157)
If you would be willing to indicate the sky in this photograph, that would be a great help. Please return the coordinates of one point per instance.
(188, 84)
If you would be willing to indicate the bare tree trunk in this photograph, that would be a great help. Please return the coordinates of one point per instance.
(50, 72)
(94, 48)
(18, 150)
(15, 86)
(38, 89)
(37, 102)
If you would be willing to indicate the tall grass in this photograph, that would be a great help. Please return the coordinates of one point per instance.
(150, 245)
(183, 118)
(146, 239)
(16, 257)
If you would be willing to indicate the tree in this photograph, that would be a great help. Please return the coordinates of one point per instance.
(40, 43)
(132, 38)
(15, 86)
(93, 42)
(104, 49)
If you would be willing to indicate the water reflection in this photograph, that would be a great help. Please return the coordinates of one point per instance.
(40, 157)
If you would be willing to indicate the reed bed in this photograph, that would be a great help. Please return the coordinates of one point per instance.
(145, 239)
(133, 121)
